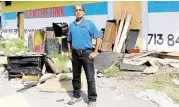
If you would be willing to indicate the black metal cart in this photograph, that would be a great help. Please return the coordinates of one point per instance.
(24, 64)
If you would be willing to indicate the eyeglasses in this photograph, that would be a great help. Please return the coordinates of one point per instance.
(78, 10)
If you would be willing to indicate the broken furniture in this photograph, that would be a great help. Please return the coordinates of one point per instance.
(25, 65)
(52, 45)
(39, 41)
(57, 44)
(63, 43)
(60, 29)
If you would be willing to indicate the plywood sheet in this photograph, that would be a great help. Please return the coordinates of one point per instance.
(133, 8)
(63, 83)
(109, 36)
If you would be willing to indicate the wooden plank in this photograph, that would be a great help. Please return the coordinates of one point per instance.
(139, 61)
(119, 31)
(141, 55)
(102, 36)
(124, 33)
(109, 36)
(106, 47)
(123, 48)
(134, 8)
(20, 20)
(172, 55)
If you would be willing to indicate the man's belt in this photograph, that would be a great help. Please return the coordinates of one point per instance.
(81, 50)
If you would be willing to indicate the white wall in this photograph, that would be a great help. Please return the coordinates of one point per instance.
(162, 22)
(144, 25)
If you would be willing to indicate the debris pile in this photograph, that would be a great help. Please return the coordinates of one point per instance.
(161, 99)
(120, 46)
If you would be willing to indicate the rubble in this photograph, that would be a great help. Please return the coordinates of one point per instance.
(46, 77)
(3, 72)
(160, 98)
(99, 75)
(150, 70)
(2, 69)
(175, 81)
(3, 60)
(130, 67)
(139, 61)
(69, 65)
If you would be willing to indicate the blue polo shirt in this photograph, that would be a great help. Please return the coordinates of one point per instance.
(81, 34)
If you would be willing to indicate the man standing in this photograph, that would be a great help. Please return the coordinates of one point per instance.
(81, 32)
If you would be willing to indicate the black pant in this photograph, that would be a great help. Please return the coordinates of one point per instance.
(79, 59)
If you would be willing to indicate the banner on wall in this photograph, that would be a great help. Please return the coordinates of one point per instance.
(45, 17)
(9, 25)
(163, 26)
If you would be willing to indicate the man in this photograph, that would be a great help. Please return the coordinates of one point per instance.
(81, 32)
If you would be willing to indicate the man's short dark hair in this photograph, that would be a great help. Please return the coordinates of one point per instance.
(80, 6)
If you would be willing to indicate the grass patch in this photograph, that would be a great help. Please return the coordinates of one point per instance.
(63, 59)
(162, 81)
(113, 71)
(12, 46)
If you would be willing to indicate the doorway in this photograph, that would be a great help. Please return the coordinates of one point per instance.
(20, 24)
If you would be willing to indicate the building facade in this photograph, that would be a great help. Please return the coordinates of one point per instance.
(157, 20)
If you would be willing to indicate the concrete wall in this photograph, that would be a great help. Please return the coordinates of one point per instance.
(163, 26)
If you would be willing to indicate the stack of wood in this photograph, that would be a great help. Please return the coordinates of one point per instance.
(120, 38)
